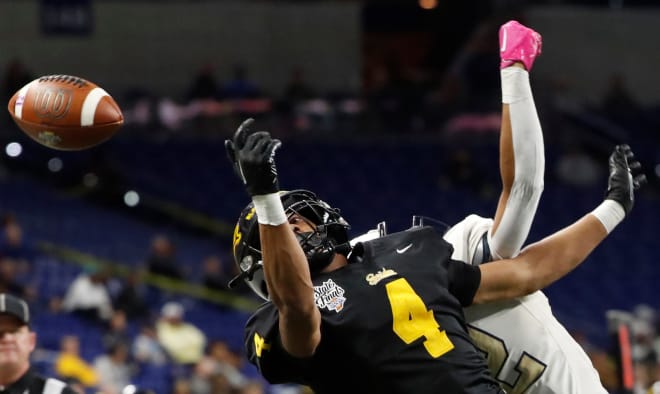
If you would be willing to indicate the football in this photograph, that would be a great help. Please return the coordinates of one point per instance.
(65, 112)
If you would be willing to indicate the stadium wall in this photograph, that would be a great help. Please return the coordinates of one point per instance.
(160, 46)
(584, 47)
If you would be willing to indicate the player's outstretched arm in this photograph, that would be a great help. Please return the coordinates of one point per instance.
(284, 263)
(543, 262)
(522, 159)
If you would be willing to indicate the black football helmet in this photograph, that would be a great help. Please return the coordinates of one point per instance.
(330, 236)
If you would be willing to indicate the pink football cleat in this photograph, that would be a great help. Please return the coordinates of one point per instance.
(518, 43)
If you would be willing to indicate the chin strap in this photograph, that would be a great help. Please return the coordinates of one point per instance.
(343, 249)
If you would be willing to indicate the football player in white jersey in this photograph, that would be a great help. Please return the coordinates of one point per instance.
(527, 349)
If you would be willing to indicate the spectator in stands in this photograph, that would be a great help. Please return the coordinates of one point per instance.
(200, 382)
(618, 102)
(16, 258)
(181, 386)
(576, 167)
(114, 369)
(213, 275)
(146, 347)
(240, 86)
(16, 76)
(390, 96)
(253, 387)
(471, 71)
(227, 362)
(88, 296)
(183, 341)
(13, 244)
(218, 360)
(297, 88)
(17, 342)
(69, 364)
(462, 172)
(204, 85)
(162, 258)
(131, 297)
(117, 331)
(10, 284)
(218, 384)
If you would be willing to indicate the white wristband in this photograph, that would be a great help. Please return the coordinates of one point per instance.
(269, 209)
(610, 213)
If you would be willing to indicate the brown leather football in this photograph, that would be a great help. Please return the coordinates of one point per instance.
(65, 112)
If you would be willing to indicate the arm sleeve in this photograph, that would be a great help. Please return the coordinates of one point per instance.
(529, 159)
(464, 280)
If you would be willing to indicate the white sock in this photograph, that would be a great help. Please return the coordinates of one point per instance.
(515, 85)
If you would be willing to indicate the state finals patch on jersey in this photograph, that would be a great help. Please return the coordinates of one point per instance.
(329, 295)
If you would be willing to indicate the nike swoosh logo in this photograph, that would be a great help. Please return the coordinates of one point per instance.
(503, 48)
(403, 250)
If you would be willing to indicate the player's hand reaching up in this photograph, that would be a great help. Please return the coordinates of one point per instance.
(253, 157)
(625, 177)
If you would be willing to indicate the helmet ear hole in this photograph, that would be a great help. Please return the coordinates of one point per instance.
(246, 263)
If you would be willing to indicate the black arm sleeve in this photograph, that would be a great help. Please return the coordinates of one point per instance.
(464, 280)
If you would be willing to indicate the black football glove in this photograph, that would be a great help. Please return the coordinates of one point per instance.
(625, 177)
(253, 157)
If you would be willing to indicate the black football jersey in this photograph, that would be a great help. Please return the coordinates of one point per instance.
(392, 322)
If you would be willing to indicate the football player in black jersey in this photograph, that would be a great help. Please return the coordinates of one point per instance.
(384, 316)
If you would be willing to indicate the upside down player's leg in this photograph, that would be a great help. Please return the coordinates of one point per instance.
(528, 350)
(522, 160)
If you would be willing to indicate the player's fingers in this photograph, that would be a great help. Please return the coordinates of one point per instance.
(240, 136)
(628, 153)
(277, 145)
(639, 181)
(261, 145)
(635, 165)
(618, 157)
(231, 151)
(622, 153)
(623, 147)
(273, 146)
(255, 141)
(245, 126)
